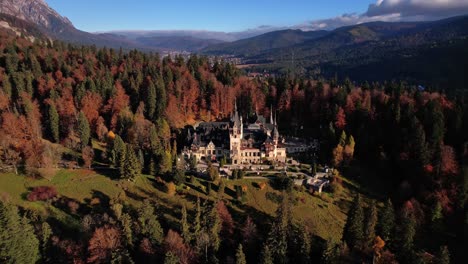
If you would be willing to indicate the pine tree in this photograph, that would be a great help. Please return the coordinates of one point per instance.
(117, 152)
(266, 256)
(149, 224)
(436, 217)
(304, 245)
(150, 100)
(18, 243)
(131, 166)
(343, 138)
(165, 164)
(370, 224)
(278, 236)
(386, 224)
(443, 256)
(160, 93)
(331, 254)
(197, 222)
(240, 256)
(126, 223)
(53, 124)
(419, 145)
(84, 130)
(171, 258)
(353, 233)
(45, 240)
(406, 230)
(213, 226)
(184, 226)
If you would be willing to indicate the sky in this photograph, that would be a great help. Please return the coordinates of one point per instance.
(241, 15)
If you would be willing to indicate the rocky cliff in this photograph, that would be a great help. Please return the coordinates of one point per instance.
(36, 12)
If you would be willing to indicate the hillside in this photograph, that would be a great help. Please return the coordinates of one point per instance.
(181, 43)
(268, 41)
(360, 51)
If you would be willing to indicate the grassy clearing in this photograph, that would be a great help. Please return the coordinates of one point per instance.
(324, 215)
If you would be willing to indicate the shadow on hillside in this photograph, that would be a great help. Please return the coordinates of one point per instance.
(111, 173)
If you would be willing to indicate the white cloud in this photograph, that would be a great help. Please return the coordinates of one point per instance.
(345, 20)
(427, 8)
(393, 11)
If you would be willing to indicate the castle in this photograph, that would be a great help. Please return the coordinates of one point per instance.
(255, 143)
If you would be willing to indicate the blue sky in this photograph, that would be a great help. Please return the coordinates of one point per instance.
(213, 15)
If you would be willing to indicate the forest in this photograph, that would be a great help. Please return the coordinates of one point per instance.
(125, 114)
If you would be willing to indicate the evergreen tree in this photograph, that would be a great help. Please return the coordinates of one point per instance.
(240, 256)
(53, 124)
(212, 226)
(386, 224)
(131, 166)
(343, 138)
(278, 236)
(304, 245)
(7, 86)
(443, 256)
(126, 222)
(331, 253)
(406, 230)
(436, 217)
(18, 243)
(266, 256)
(165, 164)
(179, 176)
(45, 243)
(353, 233)
(197, 221)
(171, 258)
(370, 224)
(419, 145)
(117, 152)
(184, 226)
(149, 224)
(160, 93)
(121, 256)
(150, 100)
(84, 130)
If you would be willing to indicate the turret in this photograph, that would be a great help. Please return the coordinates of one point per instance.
(271, 114)
(275, 134)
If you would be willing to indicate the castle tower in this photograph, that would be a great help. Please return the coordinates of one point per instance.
(271, 114)
(235, 137)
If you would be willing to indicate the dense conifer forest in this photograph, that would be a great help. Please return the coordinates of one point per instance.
(125, 114)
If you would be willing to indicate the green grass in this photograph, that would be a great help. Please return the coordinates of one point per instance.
(323, 215)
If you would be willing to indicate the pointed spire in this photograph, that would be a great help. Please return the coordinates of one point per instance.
(271, 114)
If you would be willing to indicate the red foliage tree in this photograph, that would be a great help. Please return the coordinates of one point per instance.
(90, 105)
(104, 241)
(449, 164)
(340, 119)
(249, 232)
(175, 243)
(117, 104)
(42, 193)
(87, 154)
(226, 219)
(67, 111)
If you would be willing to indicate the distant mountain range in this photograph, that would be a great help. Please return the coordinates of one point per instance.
(434, 53)
(431, 52)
